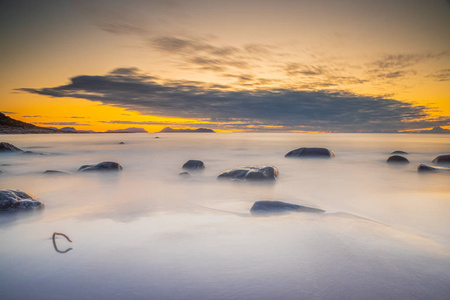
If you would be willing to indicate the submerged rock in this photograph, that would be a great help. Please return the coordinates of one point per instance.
(184, 174)
(103, 166)
(251, 173)
(442, 159)
(121, 143)
(397, 159)
(194, 165)
(277, 207)
(17, 200)
(429, 169)
(399, 152)
(56, 172)
(7, 147)
(310, 152)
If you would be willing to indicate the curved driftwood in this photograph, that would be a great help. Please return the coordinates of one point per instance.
(54, 242)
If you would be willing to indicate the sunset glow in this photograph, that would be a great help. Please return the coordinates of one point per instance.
(294, 66)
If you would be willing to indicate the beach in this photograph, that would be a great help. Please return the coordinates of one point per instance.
(148, 233)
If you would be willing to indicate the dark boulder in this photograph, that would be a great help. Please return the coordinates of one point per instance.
(399, 152)
(251, 173)
(278, 207)
(194, 165)
(17, 200)
(121, 143)
(310, 153)
(429, 169)
(184, 174)
(103, 166)
(397, 159)
(442, 159)
(7, 147)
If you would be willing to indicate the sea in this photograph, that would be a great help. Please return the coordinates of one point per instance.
(148, 233)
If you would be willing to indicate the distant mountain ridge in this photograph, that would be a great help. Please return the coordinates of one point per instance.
(174, 130)
(128, 130)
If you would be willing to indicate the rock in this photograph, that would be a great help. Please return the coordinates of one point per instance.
(184, 174)
(56, 172)
(103, 166)
(194, 165)
(277, 207)
(399, 152)
(397, 159)
(17, 200)
(121, 143)
(33, 153)
(311, 153)
(7, 147)
(429, 169)
(157, 137)
(251, 173)
(442, 159)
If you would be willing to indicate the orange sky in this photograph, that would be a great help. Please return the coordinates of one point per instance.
(375, 49)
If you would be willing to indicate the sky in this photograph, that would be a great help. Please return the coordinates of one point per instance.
(288, 66)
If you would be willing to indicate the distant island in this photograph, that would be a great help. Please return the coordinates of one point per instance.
(128, 130)
(436, 129)
(175, 130)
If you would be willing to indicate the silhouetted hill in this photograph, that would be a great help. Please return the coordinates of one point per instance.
(11, 126)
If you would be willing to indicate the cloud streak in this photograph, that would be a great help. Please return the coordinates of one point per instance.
(285, 108)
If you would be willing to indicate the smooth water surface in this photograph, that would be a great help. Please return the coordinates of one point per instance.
(148, 233)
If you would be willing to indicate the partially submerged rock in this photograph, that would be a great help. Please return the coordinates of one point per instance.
(121, 143)
(310, 153)
(7, 147)
(194, 165)
(399, 152)
(442, 159)
(278, 207)
(397, 159)
(17, 200)
(431, 169)
(251, 173)
(56, 172)
(103, 166)
(184, 174)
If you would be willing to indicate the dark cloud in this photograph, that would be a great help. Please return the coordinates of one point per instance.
(396, 74)
(203, 54)
(35, 116)
(75, 117)
(291, 109)
(399, 66)
(293, 69)
(441, 75)
(186, 45)
(122, 28)
(401, 61)
(8, 112)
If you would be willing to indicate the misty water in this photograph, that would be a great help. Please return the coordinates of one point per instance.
(148, 233)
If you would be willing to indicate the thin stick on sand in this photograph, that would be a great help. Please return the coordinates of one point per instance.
(54, 242)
